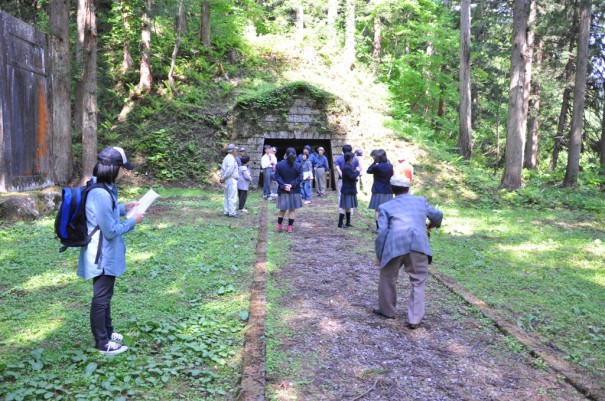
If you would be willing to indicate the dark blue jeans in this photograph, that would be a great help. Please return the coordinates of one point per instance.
(100, 309)
(305, 190)
(267, 181)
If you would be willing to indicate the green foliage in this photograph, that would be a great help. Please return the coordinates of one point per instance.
(181, 307)
(268, 97)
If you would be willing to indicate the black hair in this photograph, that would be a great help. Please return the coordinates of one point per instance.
(290, 155)
(245, 159)
(304, 154)
(349, 157)
(400, 190)
(380, 156)
(358, 152)
(266, 147)
(105, 174)
(347, 148)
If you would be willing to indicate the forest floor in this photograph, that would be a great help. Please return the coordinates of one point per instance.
(323, 342)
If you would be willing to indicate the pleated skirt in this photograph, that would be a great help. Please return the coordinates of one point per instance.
(378, 199)
(288, 201)
(348, 201)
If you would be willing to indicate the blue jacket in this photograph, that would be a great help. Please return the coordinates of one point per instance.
(322, 162)
(100, 211)
(402, 227)
(288, 174)
(349, 179)
(382, 177)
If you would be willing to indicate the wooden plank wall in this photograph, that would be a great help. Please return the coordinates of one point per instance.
(25, 134)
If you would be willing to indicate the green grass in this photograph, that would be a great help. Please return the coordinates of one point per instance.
(543, 270)
(188, 277)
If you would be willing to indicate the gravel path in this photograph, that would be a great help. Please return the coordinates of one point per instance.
(325, 344)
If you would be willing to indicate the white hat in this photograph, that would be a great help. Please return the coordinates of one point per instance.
(400, 181)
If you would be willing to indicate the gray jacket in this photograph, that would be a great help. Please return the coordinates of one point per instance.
(99, 210)
(402, 227)
(244, 178)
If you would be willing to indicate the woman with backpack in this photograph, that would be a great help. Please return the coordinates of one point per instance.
(104, 258)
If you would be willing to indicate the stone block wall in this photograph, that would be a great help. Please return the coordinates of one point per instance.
(305, 119)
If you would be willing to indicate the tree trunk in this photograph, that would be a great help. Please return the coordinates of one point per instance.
(349, 50)
(300, 20)
(205, 25)
(86, 88)
(182, 20)
(558, 142)
(497, 166)
(531, 146)
(465, 138)
(518, 98)
(127, 62)
(577, 120)
(175, 51)
(145, 69)
(376, 45)
(602, 144)
(60, 91)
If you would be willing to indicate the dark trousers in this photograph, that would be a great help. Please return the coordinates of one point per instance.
(267, 181)
(242, 195)
(100, 309)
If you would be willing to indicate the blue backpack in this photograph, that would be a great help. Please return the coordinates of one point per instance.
(70, 223)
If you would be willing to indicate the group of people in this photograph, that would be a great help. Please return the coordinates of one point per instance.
(402, 239)
(401, 218)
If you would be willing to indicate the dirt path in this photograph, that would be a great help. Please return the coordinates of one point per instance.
(325, 344)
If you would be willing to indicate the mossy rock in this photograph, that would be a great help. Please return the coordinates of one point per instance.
(29, 206)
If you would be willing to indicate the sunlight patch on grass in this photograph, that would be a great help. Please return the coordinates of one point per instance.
(49, 279)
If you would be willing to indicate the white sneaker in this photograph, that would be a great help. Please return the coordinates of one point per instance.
(113, 349)
(117, 337)
(244, 210)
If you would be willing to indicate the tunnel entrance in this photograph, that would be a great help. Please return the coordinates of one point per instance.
(299, 144)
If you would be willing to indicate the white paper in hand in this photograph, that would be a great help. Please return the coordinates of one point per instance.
(144, 203)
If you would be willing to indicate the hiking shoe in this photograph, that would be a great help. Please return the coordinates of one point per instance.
(116, 337)
(280, 228)
(289, 229)
(113, 348)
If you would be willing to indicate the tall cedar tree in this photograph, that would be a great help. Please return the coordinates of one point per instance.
(579, 91)
(60, 90)
(518, 97)
(145, 67)
(205, 25)
(86, 87)
(530, 161)
(465, 138)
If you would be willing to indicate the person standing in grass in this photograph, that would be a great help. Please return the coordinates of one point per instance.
(307, 169)
(243, 183)
(382, 171)
(348, 190)
(288, 175)
(229, 174)
(403, 241)
(104, 258)
(266, 168)
(321, 167)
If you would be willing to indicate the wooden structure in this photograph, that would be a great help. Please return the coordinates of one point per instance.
(25, 134)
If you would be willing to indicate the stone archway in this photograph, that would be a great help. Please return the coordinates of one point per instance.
(293, 115)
